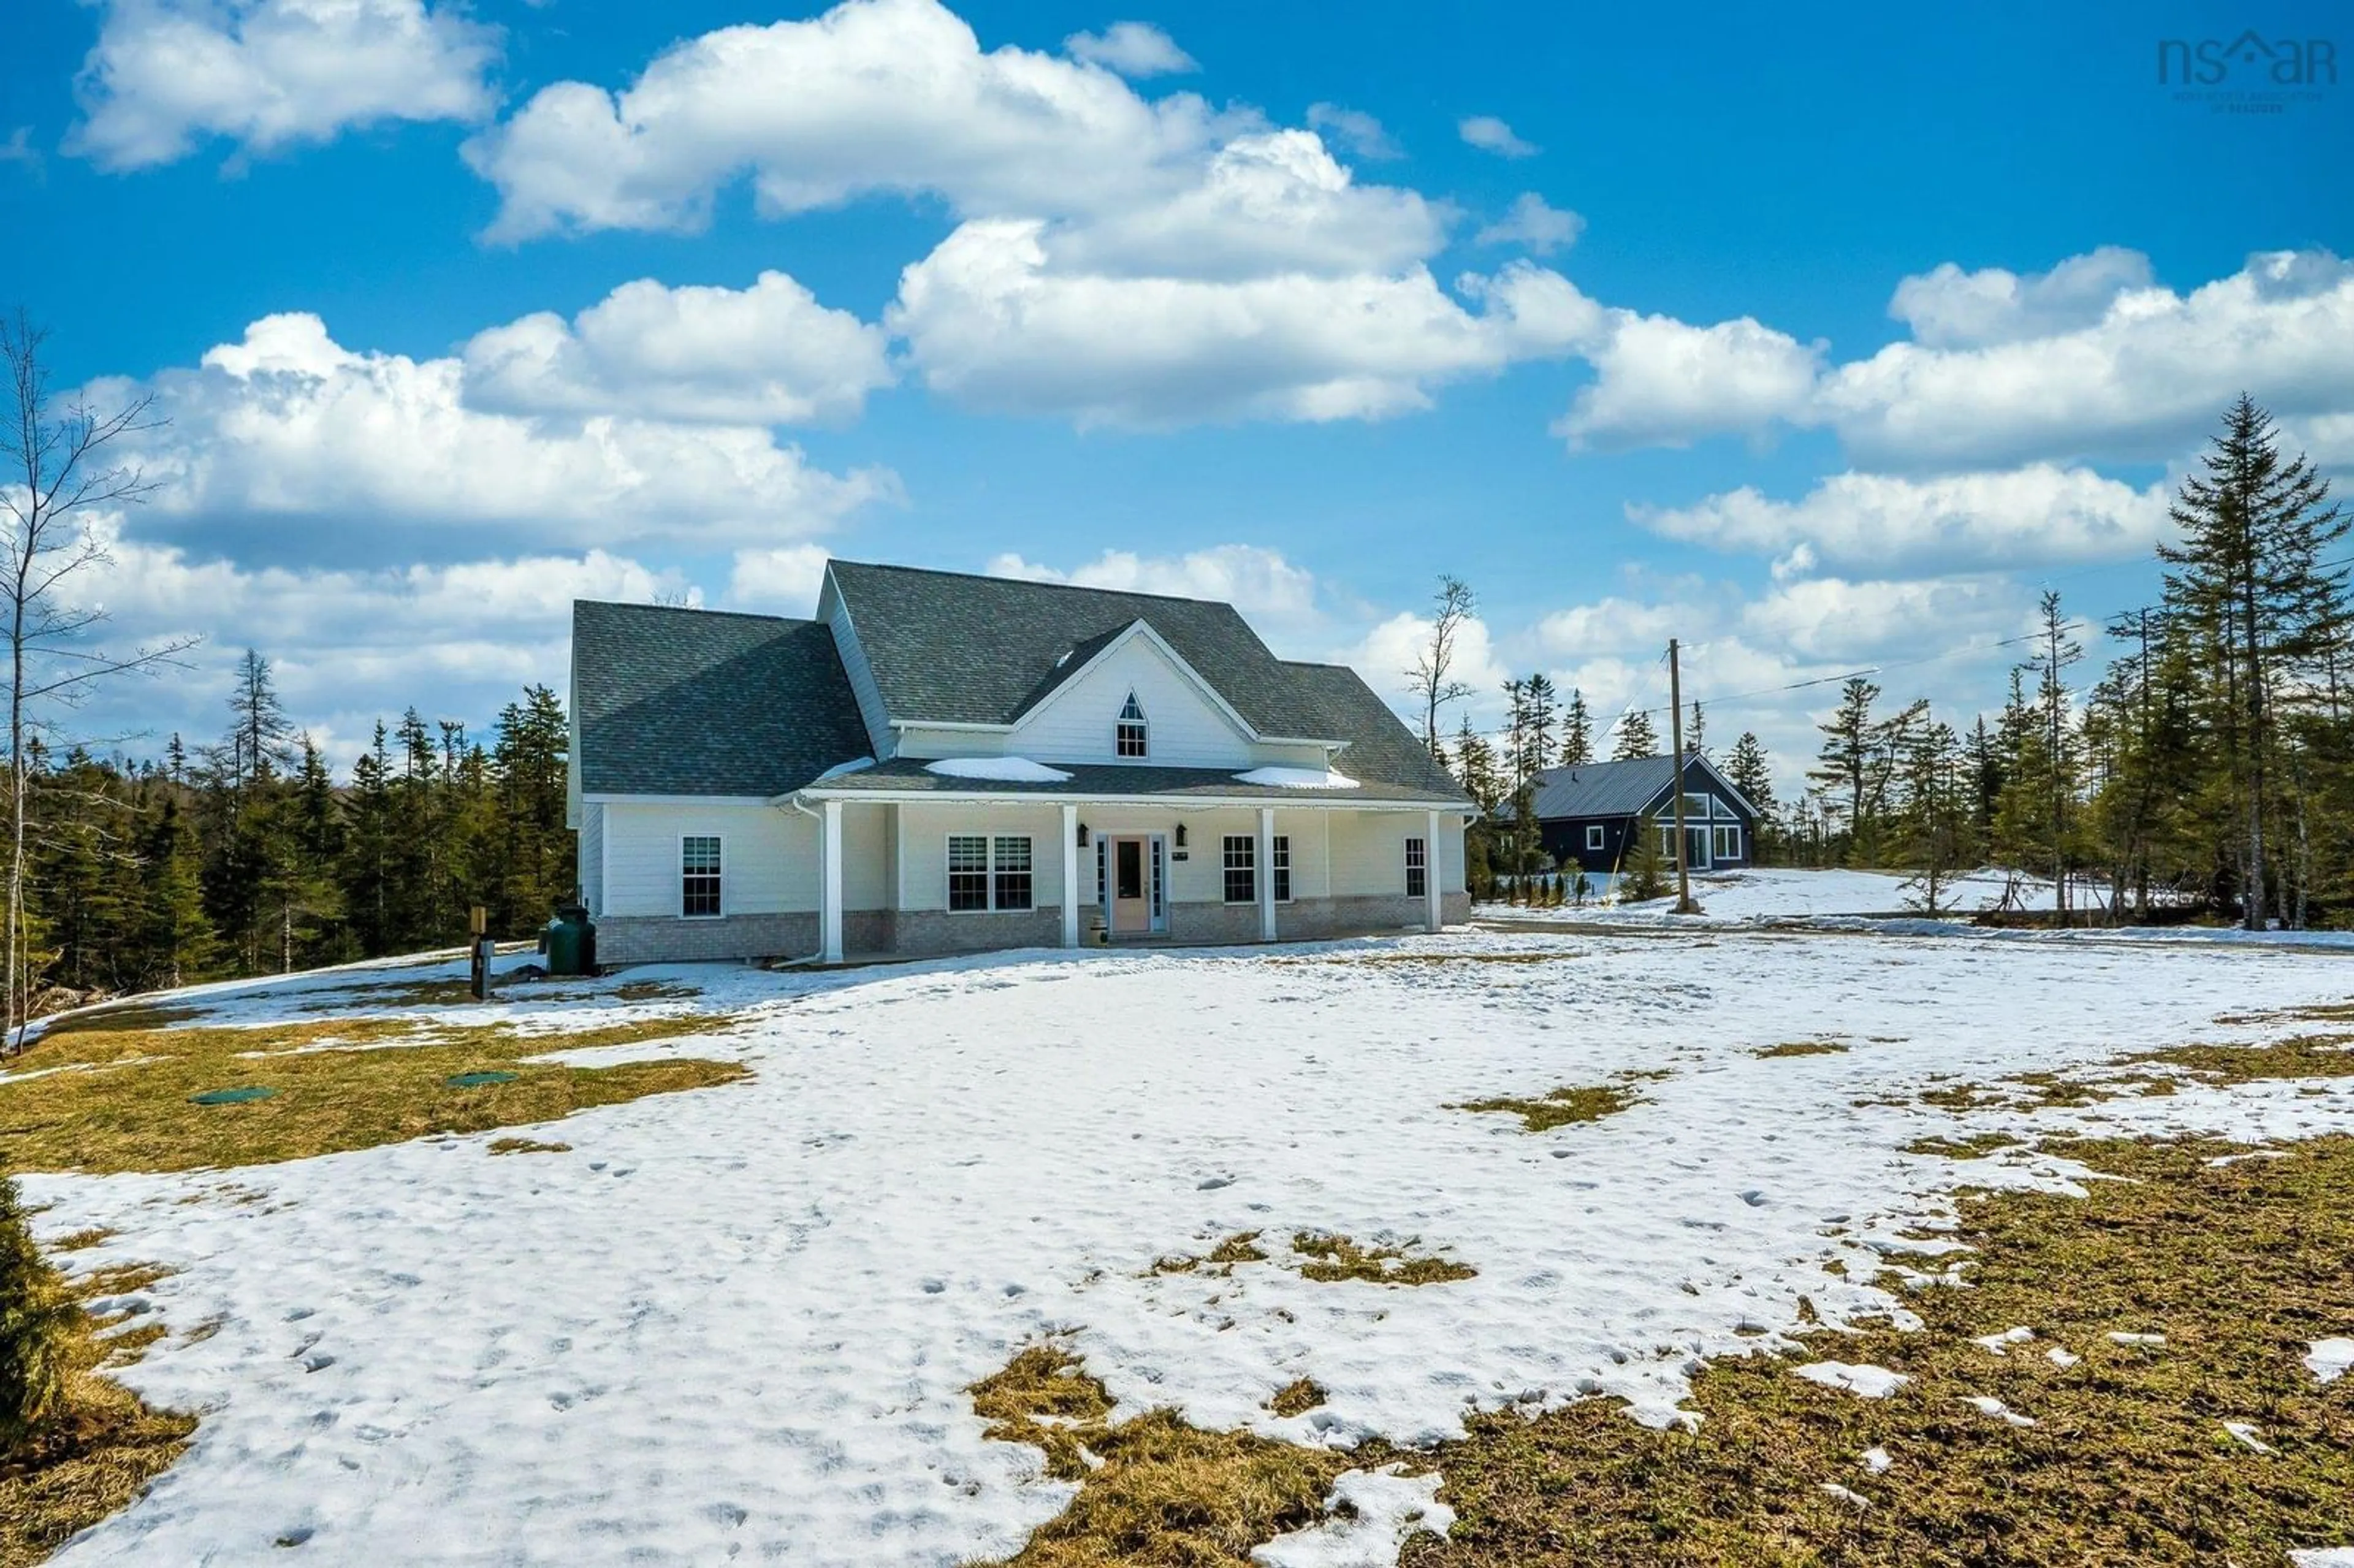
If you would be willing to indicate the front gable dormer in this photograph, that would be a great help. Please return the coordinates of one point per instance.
(1133, 690)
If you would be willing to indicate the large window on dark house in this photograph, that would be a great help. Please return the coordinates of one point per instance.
(698, 875)
(1242, 868)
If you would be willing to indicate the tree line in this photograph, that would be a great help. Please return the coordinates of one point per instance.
(2208, 771)
(244, 854)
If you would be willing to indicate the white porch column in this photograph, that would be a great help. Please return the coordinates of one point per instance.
(1433, 908)
(1267, 873)
(829, 908)
(1070, 876)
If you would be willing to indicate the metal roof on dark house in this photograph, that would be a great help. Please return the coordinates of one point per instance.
(1618, 788)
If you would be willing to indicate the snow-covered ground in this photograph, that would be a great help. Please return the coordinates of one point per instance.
(1879, 900)
(738, 1323)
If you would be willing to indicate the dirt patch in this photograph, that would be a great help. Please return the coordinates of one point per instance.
(527, 1146)
(1297, 1397)
(1802, 1048)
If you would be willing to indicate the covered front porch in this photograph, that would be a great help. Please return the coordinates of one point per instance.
(954, 871)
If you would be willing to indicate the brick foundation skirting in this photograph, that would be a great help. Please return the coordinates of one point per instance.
(932, 933)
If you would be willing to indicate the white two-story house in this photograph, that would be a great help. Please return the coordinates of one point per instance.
(942, 763)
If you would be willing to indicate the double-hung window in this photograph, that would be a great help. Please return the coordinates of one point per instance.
(698, 876)
(1132, 736)
(1728, 841)
(1279, 868)
(986, 873)
(1010, 871)
(1242, 868)
(1594, 835)
(1417, 868)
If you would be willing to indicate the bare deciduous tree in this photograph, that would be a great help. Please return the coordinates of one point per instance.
(57, 481)
(1430, 675)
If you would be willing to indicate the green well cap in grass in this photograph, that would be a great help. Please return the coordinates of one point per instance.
(235, 1097)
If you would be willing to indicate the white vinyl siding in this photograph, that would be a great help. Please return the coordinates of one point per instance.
(770, 854)
(1077, 723)
(591, 862)
(922, 831)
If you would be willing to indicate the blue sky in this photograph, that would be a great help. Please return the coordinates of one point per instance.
(1820, 342)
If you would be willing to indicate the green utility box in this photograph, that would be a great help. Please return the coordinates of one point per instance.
(570, 942)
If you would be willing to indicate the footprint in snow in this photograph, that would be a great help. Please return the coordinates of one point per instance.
(1212, 1183)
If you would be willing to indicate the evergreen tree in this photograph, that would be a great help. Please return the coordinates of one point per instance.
(1696, 731)
(1577, 732)
(369, 867)
(1642, 868)
(2250, 587)
(1845, 765)
(1748, 770)
(1938, 842)
(1637, 739)
(176, 944)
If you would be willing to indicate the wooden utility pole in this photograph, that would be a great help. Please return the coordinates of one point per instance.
(1676, 740)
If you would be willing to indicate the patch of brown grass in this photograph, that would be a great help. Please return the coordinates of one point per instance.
(82, 1239)
(527, 1146)
(1162, 1493)
(1334, 1258)
(1802, 1048)
(1297, 1397)
(97, 1459)
(1976, 1146)
(2237, 1265)
(2305, 1056)
(1559, 1107)
(132, 1110)
(1240, 1247)
(99, 1453)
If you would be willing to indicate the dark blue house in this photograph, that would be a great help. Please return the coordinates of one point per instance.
(1586, 813)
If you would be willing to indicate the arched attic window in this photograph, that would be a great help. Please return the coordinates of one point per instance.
(1132, 742)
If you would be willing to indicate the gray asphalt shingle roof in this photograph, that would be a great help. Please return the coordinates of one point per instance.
(702, 702)
(687, 701)
(947, 648)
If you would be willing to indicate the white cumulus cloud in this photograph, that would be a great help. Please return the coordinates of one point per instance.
(287, 424)
(1664, 382)
(268, 74)
(767, 355)
(1354, 130)
(873, 96)
(1258, 581)
(1999, 519)
(1491, 134)
(2145, 379)
(1131, 48)
(1534, 224)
